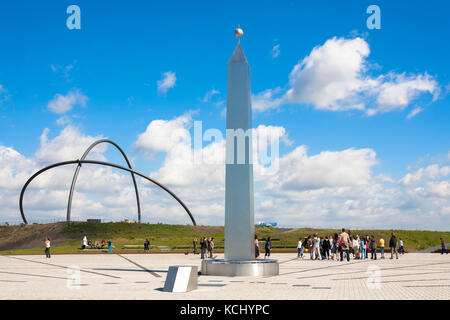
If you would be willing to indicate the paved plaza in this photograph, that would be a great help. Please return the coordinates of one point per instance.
(139, 276)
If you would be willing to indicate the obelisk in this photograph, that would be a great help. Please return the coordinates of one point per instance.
(239, 258)
(239, 216)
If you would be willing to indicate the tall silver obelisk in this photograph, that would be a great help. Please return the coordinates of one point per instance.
(239, 216)
(239, 258)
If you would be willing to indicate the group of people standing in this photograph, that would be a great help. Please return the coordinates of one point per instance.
(206, 247)
(340, 247)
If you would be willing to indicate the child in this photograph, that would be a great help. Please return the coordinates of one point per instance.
(299, 248)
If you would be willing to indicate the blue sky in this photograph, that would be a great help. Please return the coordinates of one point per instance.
(124, 47)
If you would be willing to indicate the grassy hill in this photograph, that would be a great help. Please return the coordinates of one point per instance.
(67, 237)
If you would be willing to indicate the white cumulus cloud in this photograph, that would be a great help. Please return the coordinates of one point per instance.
(64, 103)
(330, 188)
(167, 81)
(336, 76)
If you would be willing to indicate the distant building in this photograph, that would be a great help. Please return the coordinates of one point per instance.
(94, 220)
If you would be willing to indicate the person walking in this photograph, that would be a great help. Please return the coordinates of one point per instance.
(146, 245)
(316, 248)
(373, 248)
(393, 246)
(443, 247)
(211, 248)
(382, 247)
(256, 247)
(267, 247)
(402, 249)
(194, 244)
(345, 247)
(47, 247)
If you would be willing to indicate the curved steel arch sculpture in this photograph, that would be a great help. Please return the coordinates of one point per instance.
(79, 162)
(77, 170)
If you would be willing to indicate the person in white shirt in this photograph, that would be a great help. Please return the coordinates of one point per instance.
(300, 248)
(402, 249)
(84, 242)
(356, 245)
(316, 247)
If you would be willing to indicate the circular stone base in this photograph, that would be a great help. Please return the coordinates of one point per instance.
(232, 268)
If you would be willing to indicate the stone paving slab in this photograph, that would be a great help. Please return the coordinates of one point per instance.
(137, 276)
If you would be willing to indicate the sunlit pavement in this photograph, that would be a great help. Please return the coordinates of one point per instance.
(139, 276)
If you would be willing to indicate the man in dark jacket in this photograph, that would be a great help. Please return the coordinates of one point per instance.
(373, 248)
(393, 246)
(267, 247)
(203, 247)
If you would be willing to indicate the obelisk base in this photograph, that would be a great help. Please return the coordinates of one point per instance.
(240, 268)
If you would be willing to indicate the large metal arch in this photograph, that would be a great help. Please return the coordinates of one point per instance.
(77, 170)
(79, 162)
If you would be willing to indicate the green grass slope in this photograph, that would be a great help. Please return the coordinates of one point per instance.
(67, 237)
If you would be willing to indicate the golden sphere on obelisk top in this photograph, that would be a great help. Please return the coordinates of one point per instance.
(238, 32)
